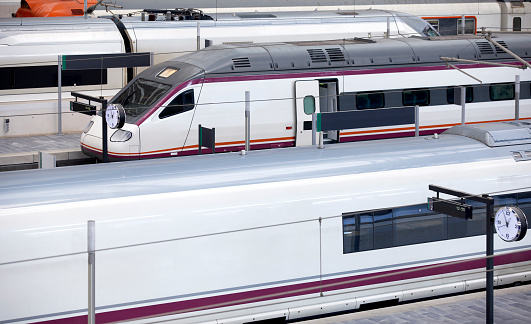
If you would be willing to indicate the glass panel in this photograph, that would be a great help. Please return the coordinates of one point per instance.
(183, 102)
(415, 97)
(138, 96)
(524, 203)
(383, 229)
(416, 224)
(469, 95)
(476, 225)
(309, 105)
(370, 100)
(357, 233)
(502, 91)
(470, 26)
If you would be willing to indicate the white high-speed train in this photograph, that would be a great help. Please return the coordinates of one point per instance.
(282, 234)
(288, 82)
(30, 50)
(494, 15)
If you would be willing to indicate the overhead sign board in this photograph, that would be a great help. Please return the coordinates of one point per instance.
(105, 61)
(449, 207)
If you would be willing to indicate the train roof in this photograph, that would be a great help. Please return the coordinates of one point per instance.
(120, 179)
(353, 53)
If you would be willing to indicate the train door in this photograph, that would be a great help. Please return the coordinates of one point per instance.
(328, 103)
(306, 103)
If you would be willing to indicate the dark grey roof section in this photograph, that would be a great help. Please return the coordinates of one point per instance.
(496, 134)
(353, 53)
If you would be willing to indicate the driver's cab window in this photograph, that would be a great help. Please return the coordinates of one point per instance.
(183, 102)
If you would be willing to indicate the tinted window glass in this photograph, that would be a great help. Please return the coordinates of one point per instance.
(369, 100)
(138, 96)
(183, 102)
(309, 105)
(358, 233)
(415, 97)
(416, 224)
(502, 91)
(450, 92)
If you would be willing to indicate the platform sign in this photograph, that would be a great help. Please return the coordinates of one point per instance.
(365, 118)
(449, 207)
(105, 61)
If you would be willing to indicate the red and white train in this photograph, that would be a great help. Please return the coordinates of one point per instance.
(288, 82)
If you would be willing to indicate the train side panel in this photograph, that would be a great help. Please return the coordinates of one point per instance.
(237, 251)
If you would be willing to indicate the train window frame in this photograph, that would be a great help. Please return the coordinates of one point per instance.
(180, 104)
(469, 95)
(147, 90)
(498, 91)
(368, 97)
(409, 97)
(470, 26)
(308, 103)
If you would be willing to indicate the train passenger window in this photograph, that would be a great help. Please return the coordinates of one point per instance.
(502, 91)
(383, 229)
(450, 91)
(415, 97)
(470, 26)
(28, 77)
(524, 203)
(183, 102)
(309, 105)
(357, 232)
(417, 224)
(369, 100)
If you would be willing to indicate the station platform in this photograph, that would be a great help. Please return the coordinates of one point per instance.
(18, 153)
(511, 305)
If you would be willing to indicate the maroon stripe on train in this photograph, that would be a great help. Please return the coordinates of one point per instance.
(315, 287)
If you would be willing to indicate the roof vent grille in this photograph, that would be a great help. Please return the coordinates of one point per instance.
(335, 54)
(499, 50)
(241, 62)
(485, 48)
(317, 56)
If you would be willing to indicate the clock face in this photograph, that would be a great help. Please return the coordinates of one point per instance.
(115, 116)
(510, 224)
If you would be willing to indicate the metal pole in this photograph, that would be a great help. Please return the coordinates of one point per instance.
(314, 127)
(417, 120)
(85, 9)
(59, 94)
(463, 24)
(91, 249)
(388, 27)
(463, 102)
(321, 140)
(247, 121)
(104, 138)
(198, 36)
(517, 98)
(490, 261)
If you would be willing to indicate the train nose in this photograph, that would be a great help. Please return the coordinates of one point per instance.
(122, 144)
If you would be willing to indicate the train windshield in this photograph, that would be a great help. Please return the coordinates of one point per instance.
(139, 96)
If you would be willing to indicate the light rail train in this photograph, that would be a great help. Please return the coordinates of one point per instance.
(30, 49)
(165, 104)
(282, 234)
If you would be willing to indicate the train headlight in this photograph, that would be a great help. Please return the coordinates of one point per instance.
(121, 136)
(89, 126)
